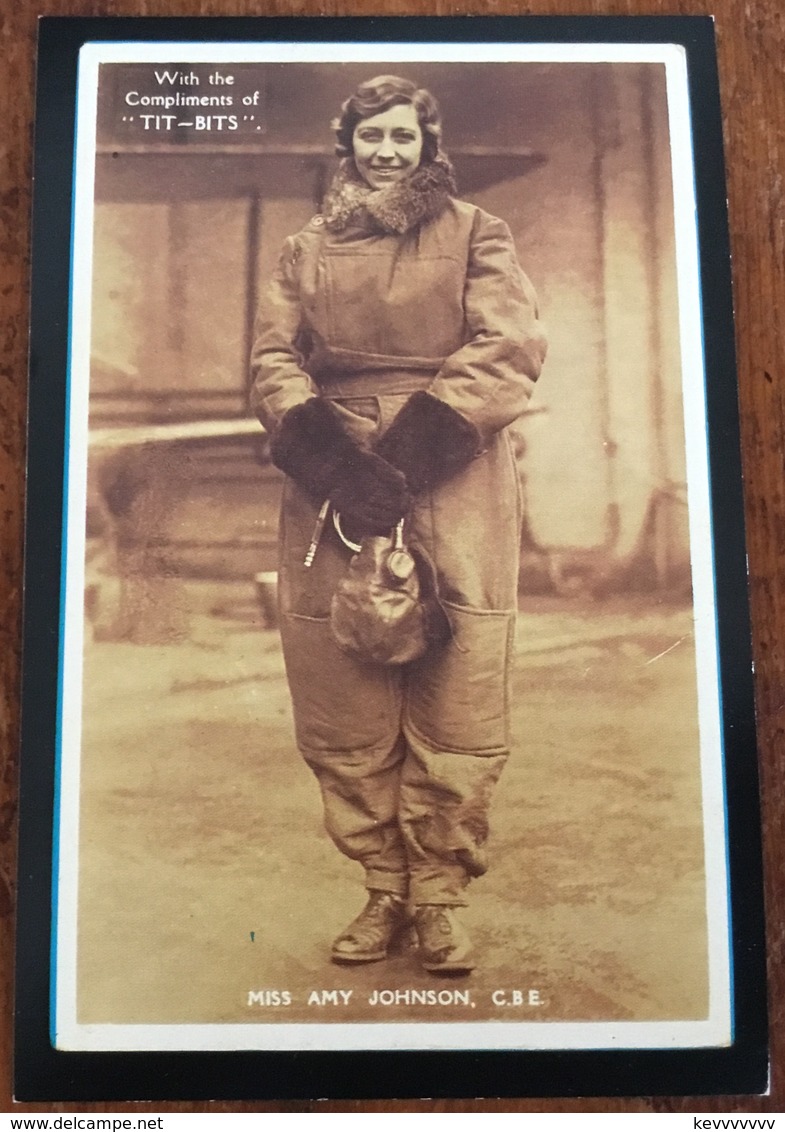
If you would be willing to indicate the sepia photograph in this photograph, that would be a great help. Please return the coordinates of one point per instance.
(390, 711)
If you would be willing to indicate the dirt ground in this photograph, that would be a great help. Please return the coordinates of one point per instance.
(205, 873)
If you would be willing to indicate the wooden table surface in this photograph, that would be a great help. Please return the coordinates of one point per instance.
(751, 45)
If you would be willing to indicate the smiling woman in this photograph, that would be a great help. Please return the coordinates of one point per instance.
(387, 147)
(396, 343)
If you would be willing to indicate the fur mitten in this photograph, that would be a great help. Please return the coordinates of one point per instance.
(310, 445)
(428, 441)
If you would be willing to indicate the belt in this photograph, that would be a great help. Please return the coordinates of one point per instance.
(374, 384)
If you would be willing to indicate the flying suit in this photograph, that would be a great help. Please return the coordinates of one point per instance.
(370, 310)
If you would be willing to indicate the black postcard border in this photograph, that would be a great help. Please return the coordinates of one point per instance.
(45, 1074)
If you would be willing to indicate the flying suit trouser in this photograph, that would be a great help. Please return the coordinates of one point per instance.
(407, 757)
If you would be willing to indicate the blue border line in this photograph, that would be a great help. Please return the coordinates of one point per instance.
(715, 597)
(719, 682)
(63, 583)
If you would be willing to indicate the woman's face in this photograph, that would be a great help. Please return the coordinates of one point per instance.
(388, 146)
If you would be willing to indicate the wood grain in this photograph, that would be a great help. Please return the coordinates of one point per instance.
(751, 39)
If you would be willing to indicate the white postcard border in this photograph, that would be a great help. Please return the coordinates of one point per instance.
(716, 1030)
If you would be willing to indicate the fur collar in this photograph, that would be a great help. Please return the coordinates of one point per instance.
(396, 209)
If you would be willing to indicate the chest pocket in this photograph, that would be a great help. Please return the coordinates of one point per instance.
(404, 306)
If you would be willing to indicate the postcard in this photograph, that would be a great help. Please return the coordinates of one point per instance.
(396, 585)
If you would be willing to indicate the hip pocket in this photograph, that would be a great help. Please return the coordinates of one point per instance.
(458, 697)
(339, 704)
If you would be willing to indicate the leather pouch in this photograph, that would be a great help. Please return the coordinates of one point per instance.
(386, 609)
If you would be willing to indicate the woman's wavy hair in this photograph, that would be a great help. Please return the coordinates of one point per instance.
(379, 94)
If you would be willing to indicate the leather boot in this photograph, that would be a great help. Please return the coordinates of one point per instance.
(445, 947)
(368, 938)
